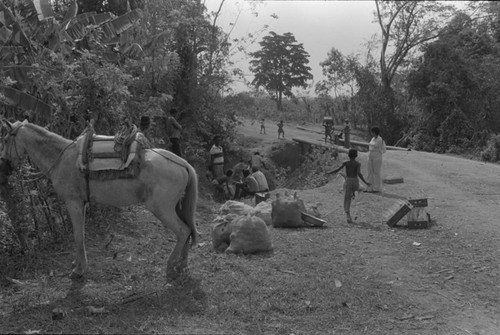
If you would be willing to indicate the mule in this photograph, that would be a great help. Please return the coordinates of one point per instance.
(166, 185)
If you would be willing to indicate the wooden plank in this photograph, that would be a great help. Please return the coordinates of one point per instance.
(396, 212)
(319, 144)
(393, 180)
(358, 143)
(365, 144)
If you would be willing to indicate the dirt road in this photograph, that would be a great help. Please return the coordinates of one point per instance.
(454, 270)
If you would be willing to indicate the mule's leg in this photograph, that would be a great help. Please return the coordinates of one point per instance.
(177, 261)
(76, 213)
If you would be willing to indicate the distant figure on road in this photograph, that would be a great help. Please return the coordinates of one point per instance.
(347, 135)
(353, 171)
(376, 150)
(280, 129)
(262, 127)
(328, 124)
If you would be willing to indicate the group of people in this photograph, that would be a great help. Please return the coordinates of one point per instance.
(281, 131)
(227, 186)
(353, 171)
(329, 132)
(253, 179)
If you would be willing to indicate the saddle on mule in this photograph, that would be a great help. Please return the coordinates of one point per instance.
(109, 157)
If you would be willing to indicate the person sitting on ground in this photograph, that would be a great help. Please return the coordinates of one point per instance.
(247, 187)
(261, 180)
(223, 188)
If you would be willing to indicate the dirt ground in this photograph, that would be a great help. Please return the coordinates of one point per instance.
(448, 272)
(361, 278)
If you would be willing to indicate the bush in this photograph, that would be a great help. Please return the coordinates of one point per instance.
(492, 151)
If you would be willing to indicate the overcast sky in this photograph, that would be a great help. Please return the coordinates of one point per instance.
(319, 25)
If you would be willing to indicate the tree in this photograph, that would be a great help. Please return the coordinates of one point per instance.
(405, 25)
(280, 65)
(457, 88)
(340, 72)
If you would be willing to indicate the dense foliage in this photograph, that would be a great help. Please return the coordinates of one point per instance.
(456, 86)
(106, 60)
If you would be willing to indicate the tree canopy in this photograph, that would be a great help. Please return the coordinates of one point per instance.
(280, 65)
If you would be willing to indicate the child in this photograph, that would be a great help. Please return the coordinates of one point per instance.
(223, 186)
(262, 127)
(280, 129)
(353, 171)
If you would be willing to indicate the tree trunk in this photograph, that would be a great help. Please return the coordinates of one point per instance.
(280, 94)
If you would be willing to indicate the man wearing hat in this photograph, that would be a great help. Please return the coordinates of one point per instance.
(174, 132)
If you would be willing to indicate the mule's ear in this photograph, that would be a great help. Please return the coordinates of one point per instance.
(7, 124)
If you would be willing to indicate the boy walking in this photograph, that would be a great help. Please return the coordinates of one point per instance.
(353, 171)
(280, 129)
(262, 127)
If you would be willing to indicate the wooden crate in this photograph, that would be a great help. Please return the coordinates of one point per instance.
(418, 218)
(396, 212)
(418, 199)
(418, 202)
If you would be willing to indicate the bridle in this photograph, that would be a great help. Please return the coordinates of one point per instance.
(12, 143)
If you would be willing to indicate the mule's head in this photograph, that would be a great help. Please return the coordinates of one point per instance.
(10, 154)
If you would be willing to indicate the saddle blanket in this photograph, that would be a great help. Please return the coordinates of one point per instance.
(101, 154)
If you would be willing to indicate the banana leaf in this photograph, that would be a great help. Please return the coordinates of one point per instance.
(23, 100)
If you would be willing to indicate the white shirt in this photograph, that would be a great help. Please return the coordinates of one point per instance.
(216, 152)
(377, 144)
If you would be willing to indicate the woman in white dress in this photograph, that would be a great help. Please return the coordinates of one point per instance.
(376, 150)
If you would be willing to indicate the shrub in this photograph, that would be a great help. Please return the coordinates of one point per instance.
(492, 151)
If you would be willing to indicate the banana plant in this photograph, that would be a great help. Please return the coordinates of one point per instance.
(51, 41)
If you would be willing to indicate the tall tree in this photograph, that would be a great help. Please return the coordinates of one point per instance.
(405, 26)
(280, 65)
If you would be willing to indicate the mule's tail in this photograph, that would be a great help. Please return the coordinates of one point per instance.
(188, 203)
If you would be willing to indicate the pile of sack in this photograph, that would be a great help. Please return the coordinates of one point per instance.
(241, 228)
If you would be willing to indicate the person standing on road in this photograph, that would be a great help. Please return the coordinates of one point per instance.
(376, 150)
(353, 171)
(174, 130)
(280, 129)
(262, 127)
